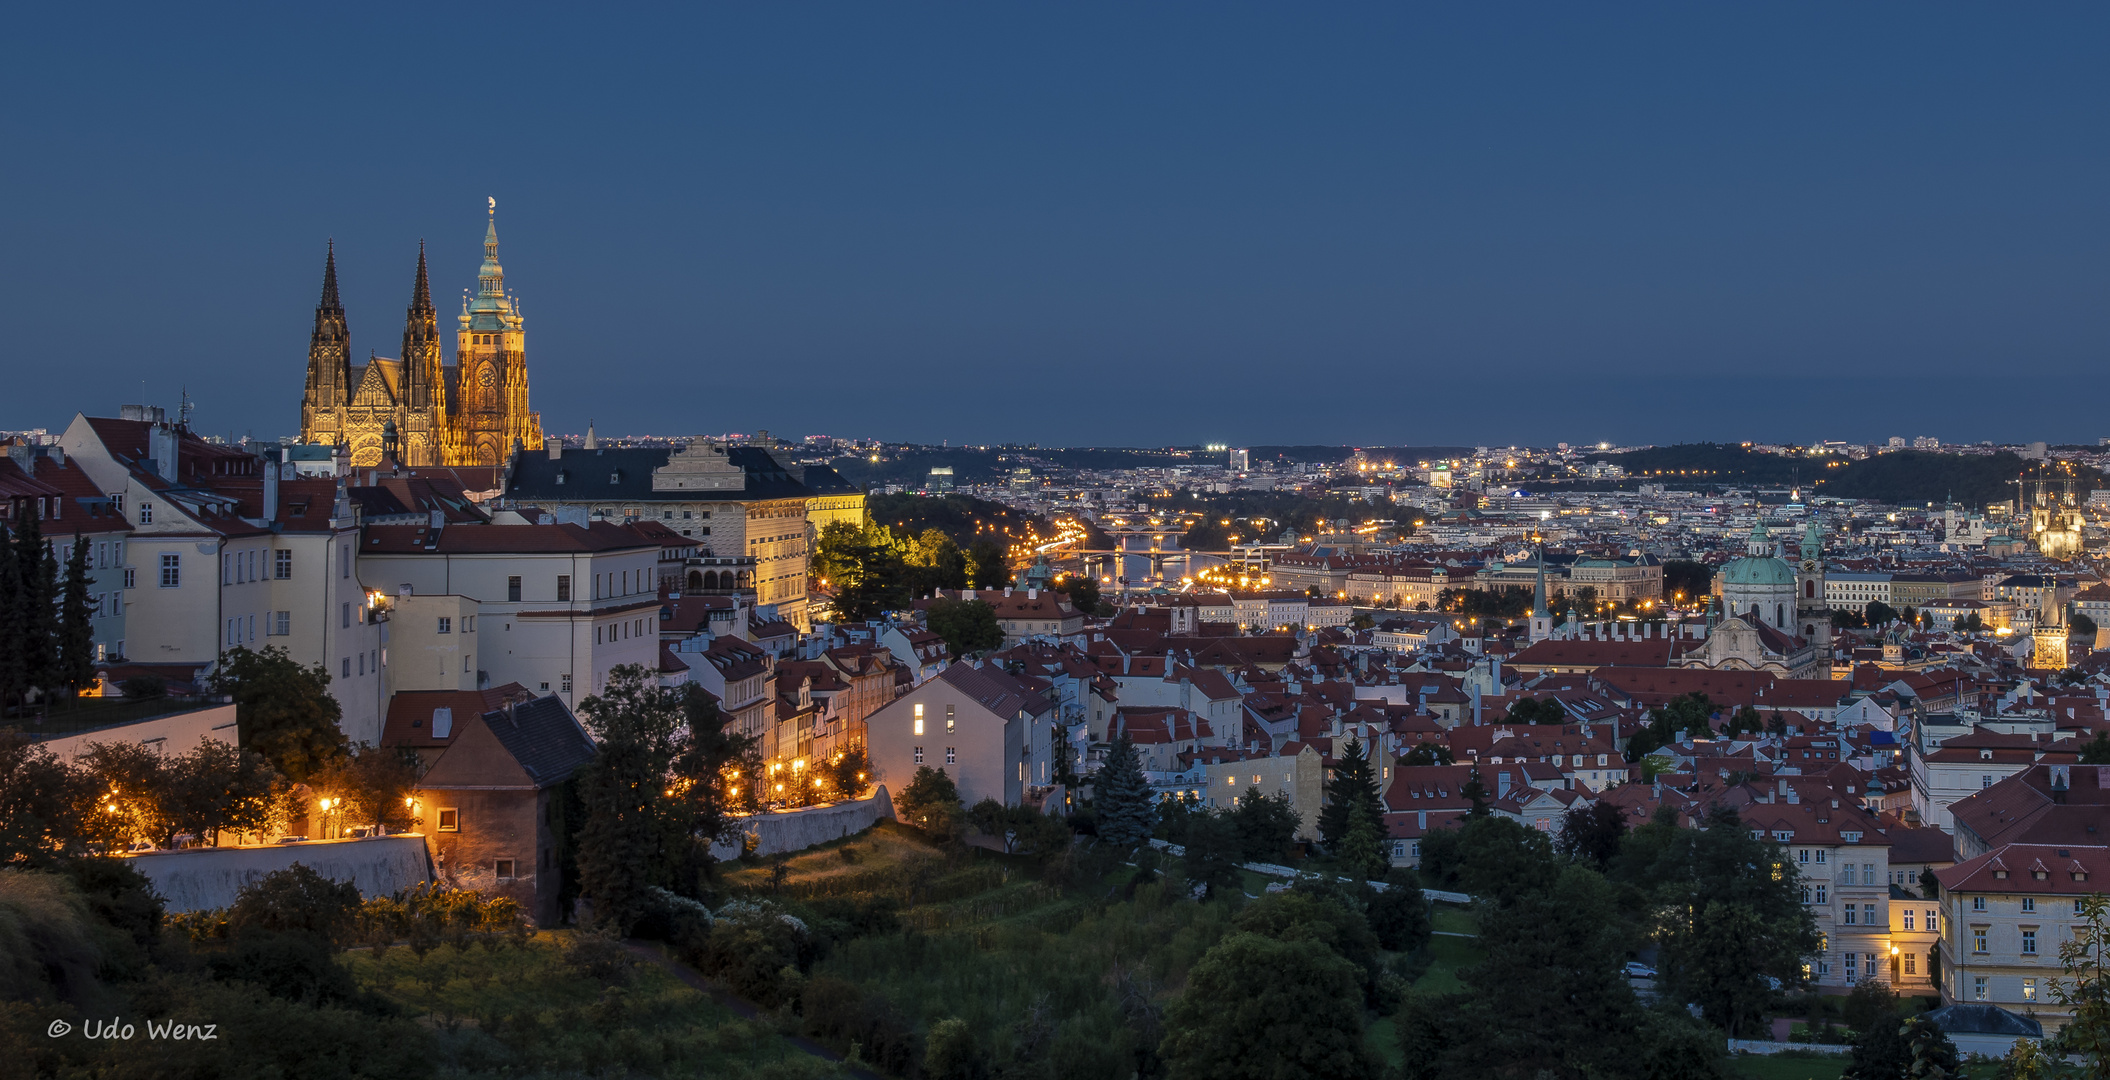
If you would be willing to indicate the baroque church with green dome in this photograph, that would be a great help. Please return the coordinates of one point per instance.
(1774, 618)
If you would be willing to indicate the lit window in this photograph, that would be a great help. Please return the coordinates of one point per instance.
(919, 729)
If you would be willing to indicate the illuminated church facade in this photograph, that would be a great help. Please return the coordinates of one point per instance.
(418, 409)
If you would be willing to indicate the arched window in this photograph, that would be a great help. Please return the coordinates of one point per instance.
(695, 580)
(710, 580)
(1780, 614)
(1809, 589)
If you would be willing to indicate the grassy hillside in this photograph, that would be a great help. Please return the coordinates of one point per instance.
(1067, 965)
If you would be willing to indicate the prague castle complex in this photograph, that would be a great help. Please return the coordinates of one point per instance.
(419, 409)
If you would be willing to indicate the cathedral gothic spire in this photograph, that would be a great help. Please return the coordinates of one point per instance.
(424, 380)
(329, 355)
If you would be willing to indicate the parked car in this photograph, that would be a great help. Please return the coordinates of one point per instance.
(1635, 969)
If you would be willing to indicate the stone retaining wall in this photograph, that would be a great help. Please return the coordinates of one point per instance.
(796, 830)
(198, 878)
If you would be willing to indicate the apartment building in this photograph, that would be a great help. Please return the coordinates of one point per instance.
(2006, 914)
(742, 507)
(556, 606)
(223, 549)
(993, 733)
(1963, 765)
(1841, 855)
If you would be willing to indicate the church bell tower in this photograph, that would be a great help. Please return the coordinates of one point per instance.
(1811, 612)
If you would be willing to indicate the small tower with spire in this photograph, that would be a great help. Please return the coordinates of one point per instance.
(1541, 615)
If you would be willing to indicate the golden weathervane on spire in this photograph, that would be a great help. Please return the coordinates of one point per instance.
(494, 204)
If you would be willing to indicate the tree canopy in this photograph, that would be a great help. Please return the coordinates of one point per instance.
(283, 710)
(661, 789)
(1259, 1007)
(968, 626)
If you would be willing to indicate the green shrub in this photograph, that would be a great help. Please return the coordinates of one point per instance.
(750, 946)
(600, 957)
(841, 1015)
(47, 939)
(298, 967)
(1399, 915)
(951, 1053)
(296, 900)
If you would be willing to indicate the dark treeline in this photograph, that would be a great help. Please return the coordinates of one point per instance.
(46, 643)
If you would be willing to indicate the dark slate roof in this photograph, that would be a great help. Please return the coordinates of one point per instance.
(544, 737)
(824, 480)
(625, 474)
(1970, 1018)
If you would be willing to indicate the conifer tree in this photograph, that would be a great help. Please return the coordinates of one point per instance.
(50, 675)
(1475, 793)
(76, 635)
(1362, 849)
(1351, 791)
(36, 621)
(13, 664)
(1127, 813)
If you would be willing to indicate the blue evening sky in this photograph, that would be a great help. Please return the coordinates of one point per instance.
(1079, 223)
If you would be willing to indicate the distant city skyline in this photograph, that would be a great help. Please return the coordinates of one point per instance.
(1091, 226)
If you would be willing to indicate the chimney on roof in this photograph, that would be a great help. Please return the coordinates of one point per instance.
(555, 446)
(271, 485)
(161, 451)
